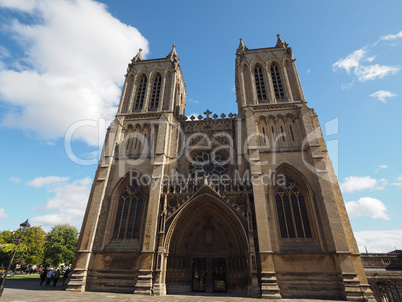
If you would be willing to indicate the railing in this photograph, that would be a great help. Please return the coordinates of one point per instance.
(386, 292)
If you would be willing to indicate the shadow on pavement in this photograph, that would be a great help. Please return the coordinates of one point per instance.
(31, 285)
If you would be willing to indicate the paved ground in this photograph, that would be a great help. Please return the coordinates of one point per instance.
(30, 291)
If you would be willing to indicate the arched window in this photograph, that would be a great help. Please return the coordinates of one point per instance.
(292, 210)
(156, 90)
(139, 99)
(276, 81)
(259, 83)
(127, 96)
(129, 212)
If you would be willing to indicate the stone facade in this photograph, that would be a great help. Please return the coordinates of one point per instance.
(244, 203)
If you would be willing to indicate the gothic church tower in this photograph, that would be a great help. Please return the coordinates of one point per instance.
(244, 203)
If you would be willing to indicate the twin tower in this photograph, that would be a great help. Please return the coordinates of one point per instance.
(245, 203)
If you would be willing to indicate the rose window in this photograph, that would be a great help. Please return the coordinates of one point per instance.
(208, 163)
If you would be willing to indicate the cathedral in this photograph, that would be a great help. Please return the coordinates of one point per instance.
(243, 203)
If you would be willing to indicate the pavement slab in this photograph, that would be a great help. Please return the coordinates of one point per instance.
(30, 291)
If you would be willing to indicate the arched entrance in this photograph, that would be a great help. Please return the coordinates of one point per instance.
(207, 249)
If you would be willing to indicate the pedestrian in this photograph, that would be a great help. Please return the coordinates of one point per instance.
(49, 277)
(65, 276)
(43, 276)
(56, 277)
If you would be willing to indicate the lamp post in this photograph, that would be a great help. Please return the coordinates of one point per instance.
(23, 227)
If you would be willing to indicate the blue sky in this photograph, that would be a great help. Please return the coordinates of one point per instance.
(62, 66)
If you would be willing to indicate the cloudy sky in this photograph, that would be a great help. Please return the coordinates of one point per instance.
(62, 66)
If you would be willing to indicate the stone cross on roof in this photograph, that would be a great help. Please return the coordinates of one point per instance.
(207, 113)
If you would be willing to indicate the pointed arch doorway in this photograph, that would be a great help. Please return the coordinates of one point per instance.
(207, 249)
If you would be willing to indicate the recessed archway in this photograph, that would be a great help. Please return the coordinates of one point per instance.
(207, 249)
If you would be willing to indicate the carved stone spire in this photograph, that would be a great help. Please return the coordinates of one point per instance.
(173, 56)
(172, 53)
(240, 51)
(280, 42)
(138, 57)
(241, 47)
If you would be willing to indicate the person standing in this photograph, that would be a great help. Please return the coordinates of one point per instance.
(56, 277)
(49, 277)
(65, 276)
(43, 276)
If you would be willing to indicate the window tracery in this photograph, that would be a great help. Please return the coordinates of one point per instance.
(139, 100)
(292, 210)
(208, 163)
(276, 81)
(156, 90)
(259, 82)
(129, 212)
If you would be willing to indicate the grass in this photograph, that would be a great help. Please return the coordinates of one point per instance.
(33, 277)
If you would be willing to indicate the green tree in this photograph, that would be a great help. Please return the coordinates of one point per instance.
(8, 244)
(34, 242)
(6, 237)
(6, 252)
(60, 244)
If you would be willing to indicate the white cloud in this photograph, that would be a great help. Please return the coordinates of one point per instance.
(360, 183)
(352, 61)
(375, 71)
(370, 59)
(381, 95)
(399, 183)
(3, 214)
(4, 53)
(193, 101)
(383, 166)
(66, 206)
(379, 241)
(346, 86)
(367, 206)
(17, 180)
(355, 64)
(390, 37)
(39, 182)
(73, 68)
(23, 5)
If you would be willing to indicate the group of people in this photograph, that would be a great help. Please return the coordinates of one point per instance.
(52, 275)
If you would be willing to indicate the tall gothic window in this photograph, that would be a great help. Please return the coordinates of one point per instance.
(259, 82)
(139, 99)
(292, 211)
(156, 90)
(277, 83)
(129, 212)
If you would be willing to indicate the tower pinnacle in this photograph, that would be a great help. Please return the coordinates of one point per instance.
(138, 57)
(241, 47)
(280, 42)
(172, 53)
